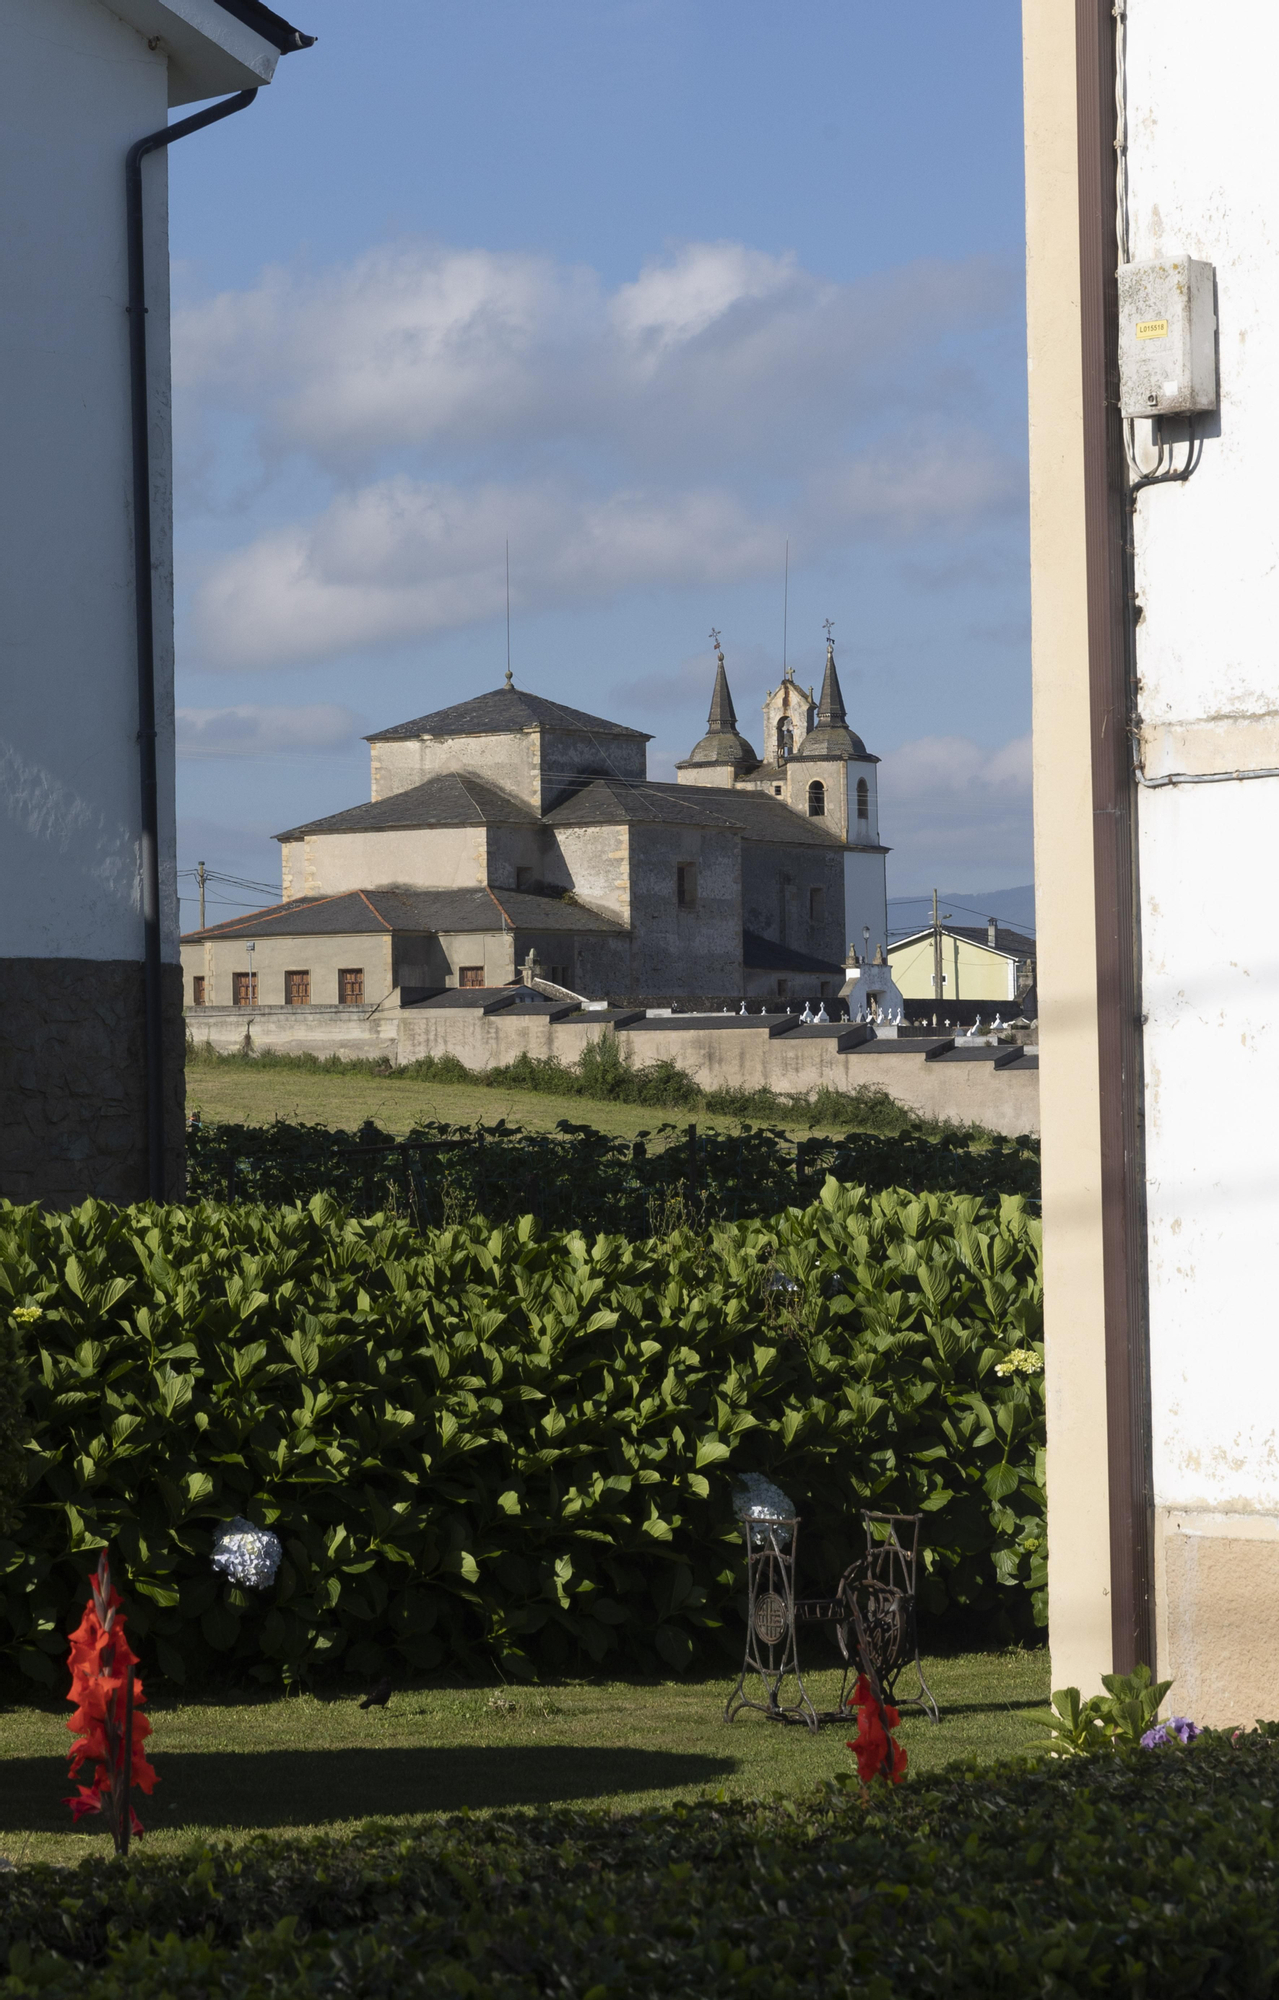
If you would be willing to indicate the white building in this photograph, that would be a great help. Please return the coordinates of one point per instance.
(1157, 793)
(90, 1067)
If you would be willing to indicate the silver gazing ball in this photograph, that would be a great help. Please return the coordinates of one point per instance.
(247, 1555)
(757, 1499)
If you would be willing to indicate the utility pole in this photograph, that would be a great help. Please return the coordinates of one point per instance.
(937, 971)
(199, 876)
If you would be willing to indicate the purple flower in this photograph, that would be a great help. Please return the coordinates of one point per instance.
(1179, 1727)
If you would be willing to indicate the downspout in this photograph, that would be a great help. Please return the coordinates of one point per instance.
(145, 616)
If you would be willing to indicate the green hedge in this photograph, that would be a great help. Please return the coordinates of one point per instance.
(577, 1177)
(1151, 1875)
(488, 1445)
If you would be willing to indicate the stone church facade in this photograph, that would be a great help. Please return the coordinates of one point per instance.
(512, 824)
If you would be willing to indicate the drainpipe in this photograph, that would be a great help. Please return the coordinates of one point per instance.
(145, 614)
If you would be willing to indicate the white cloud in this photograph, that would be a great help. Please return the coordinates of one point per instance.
(665, 436)
(254, 731)
(951, 809)
(717, 349)
(402, 559)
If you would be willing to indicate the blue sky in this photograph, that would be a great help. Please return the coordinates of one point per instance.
(646, 288)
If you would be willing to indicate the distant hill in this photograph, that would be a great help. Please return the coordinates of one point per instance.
(1015, 907)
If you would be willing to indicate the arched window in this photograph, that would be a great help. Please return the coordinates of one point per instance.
(863, 802)
(785, 739)
(817, 800)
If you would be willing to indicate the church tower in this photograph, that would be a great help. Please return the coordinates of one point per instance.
(723, 755)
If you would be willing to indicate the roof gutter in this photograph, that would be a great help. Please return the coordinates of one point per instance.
(1111, 673)
(143, 587)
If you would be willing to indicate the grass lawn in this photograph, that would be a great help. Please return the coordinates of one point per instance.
(236, 1095)
(304, 1763)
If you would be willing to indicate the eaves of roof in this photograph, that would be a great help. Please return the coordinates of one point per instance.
(758, 817)
(1008, 943)
(416, 912)
(617, 802)
(272, 27)
(451, 799)
(213, 46)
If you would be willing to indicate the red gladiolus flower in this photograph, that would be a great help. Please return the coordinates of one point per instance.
(878, 1753)
(107, 1695)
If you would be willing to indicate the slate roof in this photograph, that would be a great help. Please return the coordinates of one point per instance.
(451, 799)
(500, 712)
(614, 802)
(379, 911)
(758, 816)
(272, 27)
(1014, 944)
(761, 954)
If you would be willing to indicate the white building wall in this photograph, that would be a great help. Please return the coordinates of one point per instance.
(80, 87)
(1200, 111)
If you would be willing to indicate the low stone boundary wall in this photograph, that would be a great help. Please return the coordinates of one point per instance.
(994, 1087)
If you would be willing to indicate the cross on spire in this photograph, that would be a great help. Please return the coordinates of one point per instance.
(715, 642)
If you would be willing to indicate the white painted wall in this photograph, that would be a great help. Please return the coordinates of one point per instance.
(79, 87)
(81, 81)
(1200, 108)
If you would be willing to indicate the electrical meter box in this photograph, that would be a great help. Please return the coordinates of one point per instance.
(1167, 338)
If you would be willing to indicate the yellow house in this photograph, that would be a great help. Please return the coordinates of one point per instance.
(990, 963)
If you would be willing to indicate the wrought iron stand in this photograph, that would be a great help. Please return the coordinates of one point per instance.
(872, 1611)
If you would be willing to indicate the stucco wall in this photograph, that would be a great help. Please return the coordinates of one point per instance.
(1201, 173)
(676, 950)
(1078, 1497)
(437, 857)
(1003, 1100)
(80, 87)
(569, 755)
(357, 1035)
(775, 899)
(968, 972)
(509, 762)
(217, 960)
(597, 864)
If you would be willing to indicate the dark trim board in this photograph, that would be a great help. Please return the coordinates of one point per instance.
(1107, 528)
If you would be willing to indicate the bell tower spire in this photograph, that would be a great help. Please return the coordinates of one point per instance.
(723, 743)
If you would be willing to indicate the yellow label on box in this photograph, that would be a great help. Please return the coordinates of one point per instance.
(1152, 329)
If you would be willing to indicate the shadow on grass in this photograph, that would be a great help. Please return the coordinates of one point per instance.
(269, 1788)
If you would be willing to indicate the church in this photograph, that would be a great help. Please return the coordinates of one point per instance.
(510, 824)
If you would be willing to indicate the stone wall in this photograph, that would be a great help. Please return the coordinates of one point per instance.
(73, 1081)
(736, 1055)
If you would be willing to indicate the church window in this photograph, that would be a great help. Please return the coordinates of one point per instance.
(686, 885)
(524, 878)
(785, 739)
(197, 993)
(817, 906)
(777, 791)
(470, 975)
(297, 989)
(351, 986)
(817, 800)
(863, 803)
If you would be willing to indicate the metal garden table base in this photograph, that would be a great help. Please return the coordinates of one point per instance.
(872, 1611)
